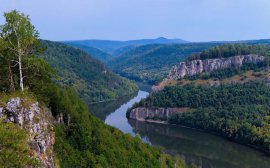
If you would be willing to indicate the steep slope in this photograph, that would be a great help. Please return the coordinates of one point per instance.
(217, 90)
(37, 123)
(48, 125)
(94, 52)
(151, 63)
(67, 134)
(91, 79)
(44, 124)
(110, 46)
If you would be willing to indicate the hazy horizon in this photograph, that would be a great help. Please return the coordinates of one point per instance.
(190, 20)
(161, 37)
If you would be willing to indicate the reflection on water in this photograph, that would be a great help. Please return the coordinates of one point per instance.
(203, 149)
(118, 118)
(198, 147)
(102, 110)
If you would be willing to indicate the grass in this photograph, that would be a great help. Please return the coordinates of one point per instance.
(5, 97)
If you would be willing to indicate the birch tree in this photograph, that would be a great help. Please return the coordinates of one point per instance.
(20, 36)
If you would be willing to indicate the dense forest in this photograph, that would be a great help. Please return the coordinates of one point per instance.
(94, 52)
(238, 111)
(82, 140)
(89, 77)
(229, 50)
(151, 63)
(113, 47)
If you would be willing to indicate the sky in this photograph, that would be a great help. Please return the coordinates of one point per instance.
(191, 20)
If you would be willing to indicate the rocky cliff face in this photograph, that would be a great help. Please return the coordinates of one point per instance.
(38, 122)
(143, 113)
(195, 67)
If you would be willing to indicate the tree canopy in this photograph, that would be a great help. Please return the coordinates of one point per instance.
(82, 140)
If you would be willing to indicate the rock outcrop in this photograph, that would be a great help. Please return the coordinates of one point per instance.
(38, 122)
(195, 67)
(143, 113)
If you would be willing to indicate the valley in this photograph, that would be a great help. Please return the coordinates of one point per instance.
(224, 93)
(213, 86)
(92, 80)
(196, 147)
(187, 92)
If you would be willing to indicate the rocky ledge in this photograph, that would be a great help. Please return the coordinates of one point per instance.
(195, 67)
(38, 122)
(144, 114)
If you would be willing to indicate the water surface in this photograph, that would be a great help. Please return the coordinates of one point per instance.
(197, 147)
(118, 118)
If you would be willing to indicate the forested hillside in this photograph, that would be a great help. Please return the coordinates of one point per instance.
(239, 112)
(89, 77)
(233, 102)
(151, 63)
(111, 46)
(229, 50)
(94, 52)
(149, 60)
(81, 140)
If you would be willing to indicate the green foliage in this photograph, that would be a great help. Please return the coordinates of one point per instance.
(239, 112)
(14, 148)
(82, 140)
(20, 41)
(85, 141)
(151, 63)
(229, 50)
(19, 28)
(19, 45)
(113, 47)
(92, 80)
(94, 52)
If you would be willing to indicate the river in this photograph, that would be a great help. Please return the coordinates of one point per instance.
(196, 147)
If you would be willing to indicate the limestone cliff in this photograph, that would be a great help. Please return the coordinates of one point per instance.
(194, 67)
(38, 122)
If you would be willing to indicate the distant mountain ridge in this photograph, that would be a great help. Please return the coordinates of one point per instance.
(147, 60)
(110, 46)
(94, 52)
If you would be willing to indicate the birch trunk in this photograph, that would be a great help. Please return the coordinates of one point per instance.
(20, 54)
(20, 71)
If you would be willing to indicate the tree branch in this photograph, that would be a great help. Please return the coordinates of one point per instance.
(12, 49)
(11, 42)
(15, 61)
(15, 65)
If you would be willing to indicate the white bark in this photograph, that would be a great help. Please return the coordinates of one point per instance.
(21, 74)
(20, 54)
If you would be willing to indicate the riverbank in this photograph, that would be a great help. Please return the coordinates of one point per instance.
(205, 131)
(197, 146)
